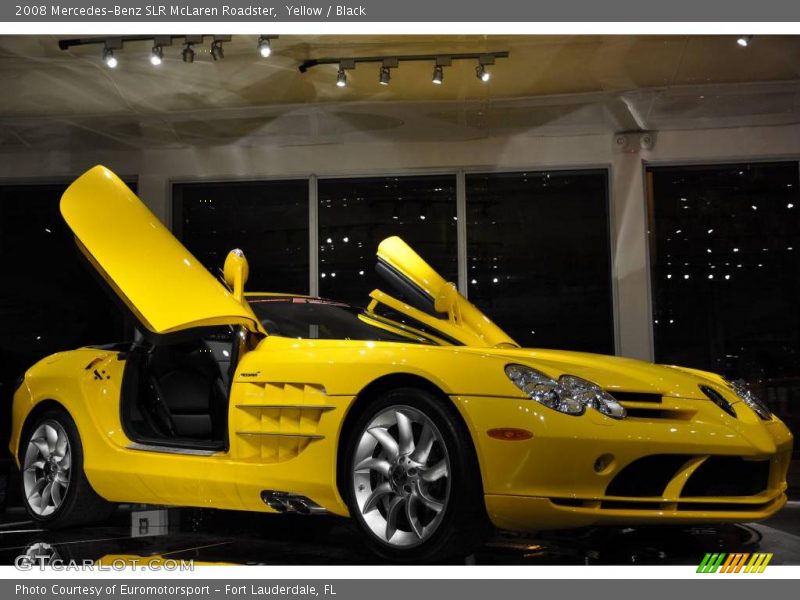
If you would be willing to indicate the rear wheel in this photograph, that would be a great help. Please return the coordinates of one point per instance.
(413, 483)
(55, 490)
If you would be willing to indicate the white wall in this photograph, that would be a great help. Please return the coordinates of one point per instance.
(157, 168)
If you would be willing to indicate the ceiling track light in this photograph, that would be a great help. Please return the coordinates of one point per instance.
(109, 58)
(341, 75)
(109, 45)
(391, 62)
(438, 70)
(480, 71)
(157, 53)
(217, 52)
(158, 43)
(744, 40)
(156, 56)
(438, 75)
(188, 54)
(264, 48)
(386, 73)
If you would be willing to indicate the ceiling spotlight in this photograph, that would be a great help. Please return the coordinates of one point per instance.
(264, 48)
(216, 50)
(341, 78)
(109, 59)
(482, 74)
(744, 40)
(188, 54)
(156, 56)
(385, 76)
(438, 74)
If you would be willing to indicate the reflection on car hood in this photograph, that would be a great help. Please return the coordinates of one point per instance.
(611, 372)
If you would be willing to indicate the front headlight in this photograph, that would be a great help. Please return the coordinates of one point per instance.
(570, 395)
(754, 402)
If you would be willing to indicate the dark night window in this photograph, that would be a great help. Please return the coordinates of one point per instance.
(50, 298)
(268, 220)
(725, 256)
(538, 257)
(356, 214)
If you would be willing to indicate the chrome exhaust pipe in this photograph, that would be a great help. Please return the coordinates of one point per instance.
(284, 502)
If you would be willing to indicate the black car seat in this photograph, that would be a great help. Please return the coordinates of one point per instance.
(187, 392)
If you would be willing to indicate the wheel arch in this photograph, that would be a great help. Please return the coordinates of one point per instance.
(372, 391)
(38, 409)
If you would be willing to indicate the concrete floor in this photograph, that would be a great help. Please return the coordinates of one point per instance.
(246, 538)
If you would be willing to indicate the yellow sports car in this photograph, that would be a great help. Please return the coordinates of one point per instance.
(417, 417)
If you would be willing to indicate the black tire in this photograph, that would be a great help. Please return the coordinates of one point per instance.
(80, 505)
(464, 524)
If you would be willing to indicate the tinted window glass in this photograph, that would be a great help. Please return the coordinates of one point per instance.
(268, 220)
(355, 215)
(725, 257)
(538, 258)
(317, 319)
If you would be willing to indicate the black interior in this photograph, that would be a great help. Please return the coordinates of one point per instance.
(176, 394)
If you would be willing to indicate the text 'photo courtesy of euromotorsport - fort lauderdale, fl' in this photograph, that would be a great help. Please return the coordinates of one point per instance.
(316, 299)
(168, 590)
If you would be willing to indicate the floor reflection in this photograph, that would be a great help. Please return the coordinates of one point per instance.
(208, 536)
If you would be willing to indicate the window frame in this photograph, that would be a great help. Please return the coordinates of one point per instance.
(650, 216)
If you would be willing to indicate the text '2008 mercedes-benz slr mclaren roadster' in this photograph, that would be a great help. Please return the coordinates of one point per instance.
(416, 417)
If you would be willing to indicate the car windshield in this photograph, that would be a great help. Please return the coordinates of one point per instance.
(312, 318)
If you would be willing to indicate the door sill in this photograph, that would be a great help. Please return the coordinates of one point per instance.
(171, 449)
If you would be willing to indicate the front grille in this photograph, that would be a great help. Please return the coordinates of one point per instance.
(728, 476)
(647, 476)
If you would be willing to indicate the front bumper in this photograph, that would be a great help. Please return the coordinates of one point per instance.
(685, 461)
(522, 513)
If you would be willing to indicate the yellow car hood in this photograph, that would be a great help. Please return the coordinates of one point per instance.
(428, 299)
(159, 280)
(613, 372)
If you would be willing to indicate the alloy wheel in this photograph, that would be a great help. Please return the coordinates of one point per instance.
(401, 476)
(46, 468)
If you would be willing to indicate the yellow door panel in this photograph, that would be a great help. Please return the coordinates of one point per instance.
(463, 322)
(158, 279)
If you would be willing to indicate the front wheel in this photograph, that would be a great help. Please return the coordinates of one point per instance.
(55, 490)
(413, 482)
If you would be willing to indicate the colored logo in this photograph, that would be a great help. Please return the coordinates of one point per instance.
(734, 563)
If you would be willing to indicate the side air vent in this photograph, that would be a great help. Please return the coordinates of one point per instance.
(718, 399)
(635, 397)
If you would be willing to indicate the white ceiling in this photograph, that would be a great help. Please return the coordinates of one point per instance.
(549, 86)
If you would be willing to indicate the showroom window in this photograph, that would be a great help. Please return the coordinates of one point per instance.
(356, 214)
(268, 220)
(725, 258)
(538, 256)
(51, 300)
